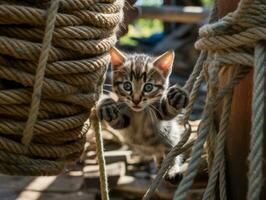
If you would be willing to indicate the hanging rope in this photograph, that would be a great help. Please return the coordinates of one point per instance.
(38, 82)
(231, 50)
(192, 85)
(100, 155)
(168, 161)
(255, 175)
(219, 149)
(52, 63)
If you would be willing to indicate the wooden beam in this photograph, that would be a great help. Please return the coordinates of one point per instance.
(238, 135)
(188, 14)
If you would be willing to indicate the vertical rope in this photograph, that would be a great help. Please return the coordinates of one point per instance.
(222, 178)
(100, 155)
(196, 71)
(203, 130)
(168, 161)
(37, 89)
(192, 86)
(219, 148)
(255, 173)
(193, 96)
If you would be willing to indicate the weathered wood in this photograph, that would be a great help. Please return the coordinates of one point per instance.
(63, 183)
(129, 185)
(237, 143)
(114, 172)
(189, 14)
(30, 195)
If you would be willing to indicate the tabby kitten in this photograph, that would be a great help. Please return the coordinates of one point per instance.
(146, 109)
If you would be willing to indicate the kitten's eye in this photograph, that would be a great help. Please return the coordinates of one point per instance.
(148, 87)
(127, 86)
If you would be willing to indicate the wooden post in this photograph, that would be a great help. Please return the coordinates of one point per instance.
(237, 144)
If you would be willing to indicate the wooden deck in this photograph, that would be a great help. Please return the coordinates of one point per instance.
(129, 178)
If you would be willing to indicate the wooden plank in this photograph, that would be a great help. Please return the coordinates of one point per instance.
(188, 14)
(7, 194)
(62, 183)
(129, 185)
(30, 195)
(114, 171)
(110, 156)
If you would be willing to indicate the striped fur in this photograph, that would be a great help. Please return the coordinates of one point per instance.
(147, 120)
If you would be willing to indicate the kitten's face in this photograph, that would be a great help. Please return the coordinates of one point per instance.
(138, 79)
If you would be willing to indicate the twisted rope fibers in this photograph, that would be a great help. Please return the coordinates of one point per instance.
(225, 41)
(71, 58)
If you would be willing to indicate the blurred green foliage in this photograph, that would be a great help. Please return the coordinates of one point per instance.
(147, 27)
(141, 28)
(207, 3)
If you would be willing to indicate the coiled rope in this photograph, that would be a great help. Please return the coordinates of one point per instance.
(234, 42)
(52, 61)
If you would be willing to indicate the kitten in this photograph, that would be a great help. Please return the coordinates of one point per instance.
(146, 110)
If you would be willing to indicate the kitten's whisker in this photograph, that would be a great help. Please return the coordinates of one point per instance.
(154, 117)
(150, 114)
(156, 109)
(107, 84)
(106, 91)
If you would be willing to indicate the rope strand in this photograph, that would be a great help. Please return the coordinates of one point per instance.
(255, 158)
(37, 89)
(100, 155)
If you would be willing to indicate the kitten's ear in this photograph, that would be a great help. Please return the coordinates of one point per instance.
(165, 62)
(117, 58)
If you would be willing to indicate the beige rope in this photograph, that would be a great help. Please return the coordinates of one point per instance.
(73, 76)
(203, 130)
(219, 149)
(100, 155)
(37, 89)
(232, 41)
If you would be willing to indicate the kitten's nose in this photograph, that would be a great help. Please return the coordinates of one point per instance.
(136, 100)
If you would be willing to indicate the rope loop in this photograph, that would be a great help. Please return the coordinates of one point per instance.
(230, 43)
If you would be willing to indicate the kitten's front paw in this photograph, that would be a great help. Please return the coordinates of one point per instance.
(177, 98)
(175, 173)
(174, 179)
(108, 110)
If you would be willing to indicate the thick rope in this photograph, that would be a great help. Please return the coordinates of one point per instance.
(222, 179)
(219, 149)
(37, 89)
(74, 69)
(255, 174)
(100, 155)
(203, 130)
(231, 40)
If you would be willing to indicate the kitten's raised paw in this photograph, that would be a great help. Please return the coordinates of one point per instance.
(175, 173)
(108, 110)
(177, 98)
(174, 179)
